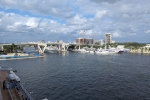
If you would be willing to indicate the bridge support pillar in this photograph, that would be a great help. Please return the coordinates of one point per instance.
(65, 47)
(59, 47)
(41, 47)
(36, 47)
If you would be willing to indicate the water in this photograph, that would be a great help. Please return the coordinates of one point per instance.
(76, 76)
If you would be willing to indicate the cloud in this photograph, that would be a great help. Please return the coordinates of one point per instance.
(32, 22)
(116, 34)
(54, 19)
(100, 14)
(132, 34)
(49, 8)
(148, 31)
(108, 1)
(22, 25)
(77, 20)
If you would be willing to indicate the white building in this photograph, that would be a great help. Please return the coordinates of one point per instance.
(147, 46)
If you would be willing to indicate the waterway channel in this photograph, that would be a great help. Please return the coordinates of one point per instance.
(84, 76)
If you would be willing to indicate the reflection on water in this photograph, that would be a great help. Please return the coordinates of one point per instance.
(64, 53)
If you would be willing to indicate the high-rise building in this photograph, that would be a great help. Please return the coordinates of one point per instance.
(108, 38)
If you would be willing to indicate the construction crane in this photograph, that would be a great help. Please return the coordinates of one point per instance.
(83, 36)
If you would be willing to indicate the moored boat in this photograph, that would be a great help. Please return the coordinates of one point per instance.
(102, 51)
(83, 50)
(107, 51)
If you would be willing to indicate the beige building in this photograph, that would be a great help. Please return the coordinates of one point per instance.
(84, 41)
(108, 38)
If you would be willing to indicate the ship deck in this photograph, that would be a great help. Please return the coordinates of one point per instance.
(13, 89)
(4, 94)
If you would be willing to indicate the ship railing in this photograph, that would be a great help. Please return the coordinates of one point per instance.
(27, 94)
(5, 69)
(20, 95)
(10, 94)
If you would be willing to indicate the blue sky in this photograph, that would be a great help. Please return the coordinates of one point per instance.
(51, 20)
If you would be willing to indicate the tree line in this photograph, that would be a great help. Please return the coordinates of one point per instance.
(12, 48)
(128, 45)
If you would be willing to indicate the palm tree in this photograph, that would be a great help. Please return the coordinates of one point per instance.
(21, 48)
(149, 50)
(6, 49)
(13, 48)
(145, 49)
(103, 46)
(141, 50)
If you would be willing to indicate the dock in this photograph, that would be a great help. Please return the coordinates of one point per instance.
(13, 56)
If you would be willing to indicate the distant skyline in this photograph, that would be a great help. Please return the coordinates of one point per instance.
(51, 20)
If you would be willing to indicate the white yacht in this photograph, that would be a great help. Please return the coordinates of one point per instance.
(83, 50)
(51, 49)
(107, 51)
(102, 51)
(113, 50)
(91, 51)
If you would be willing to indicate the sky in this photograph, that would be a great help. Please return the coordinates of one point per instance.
(52, 20)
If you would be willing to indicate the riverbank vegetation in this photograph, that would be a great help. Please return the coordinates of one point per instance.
(132, 44)
(12, 48)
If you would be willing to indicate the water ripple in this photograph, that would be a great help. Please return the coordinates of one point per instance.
(77, 76)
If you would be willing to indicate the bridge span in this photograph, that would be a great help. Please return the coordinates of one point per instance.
(41, 46)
